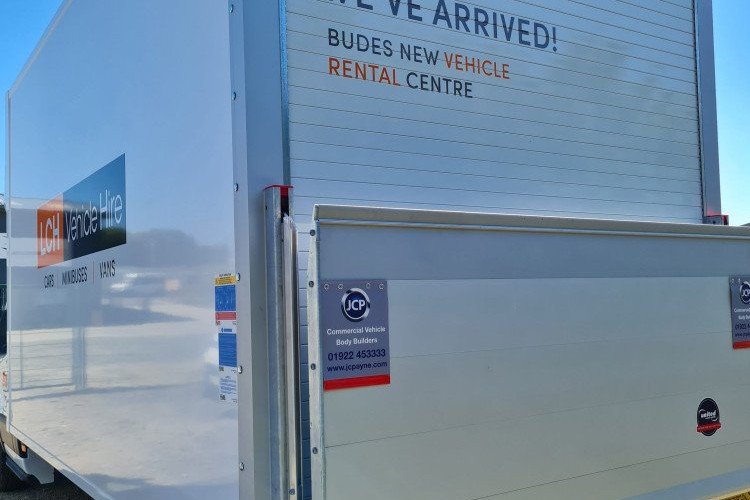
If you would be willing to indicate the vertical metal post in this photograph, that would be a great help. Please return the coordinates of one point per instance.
(260, 159)
(708, 130)
(291, 348)
(281, 301)
(317, 438)
(8, 353)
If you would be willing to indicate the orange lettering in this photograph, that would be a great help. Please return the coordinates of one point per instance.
(347, 69)
(485, 70)
(448, 59)
(459, 62)
(333, 66)
(360, 71)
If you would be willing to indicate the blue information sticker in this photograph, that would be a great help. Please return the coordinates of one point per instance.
(225, 298)
(228, 349)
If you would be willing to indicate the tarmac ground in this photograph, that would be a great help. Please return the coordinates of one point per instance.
(60, 490)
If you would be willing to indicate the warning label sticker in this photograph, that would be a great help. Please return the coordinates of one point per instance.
(225, 279)
(227, 361)
(228, 385)
(225, 301)
(354, 333)
(225, 313)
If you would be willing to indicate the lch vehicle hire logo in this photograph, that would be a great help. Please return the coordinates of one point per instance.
(355, 304)
(87, 218)
(745, 292)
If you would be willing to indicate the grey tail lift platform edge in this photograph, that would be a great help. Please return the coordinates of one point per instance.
(532, 357)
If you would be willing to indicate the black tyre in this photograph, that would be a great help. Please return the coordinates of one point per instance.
(8, 479)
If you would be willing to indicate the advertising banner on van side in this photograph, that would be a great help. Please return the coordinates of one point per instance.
(87, 218)
(548, 107)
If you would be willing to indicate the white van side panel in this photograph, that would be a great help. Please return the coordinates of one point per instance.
(113, 369)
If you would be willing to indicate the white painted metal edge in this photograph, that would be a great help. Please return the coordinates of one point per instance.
(340, 214)
(707, 113)
(317, 435)
(40, 45)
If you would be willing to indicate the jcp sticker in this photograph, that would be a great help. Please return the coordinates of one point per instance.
(354, 337)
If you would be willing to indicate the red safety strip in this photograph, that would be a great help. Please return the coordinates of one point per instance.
(283, 189)
(709, 427)
(350, 383)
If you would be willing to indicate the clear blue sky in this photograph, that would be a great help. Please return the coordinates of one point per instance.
(733, 99)
(22, 22)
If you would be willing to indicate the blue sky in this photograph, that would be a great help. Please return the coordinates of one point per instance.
(22, 22)
(733, 100)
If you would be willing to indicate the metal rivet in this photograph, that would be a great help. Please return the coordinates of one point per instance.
(292, 491)
(231, 8)
(315, 451)
(236, 187)
(239, 369)
(312, 366)
(311, 284)
(234, 96)
(242, 465)
(326, 286)
(312, 232)
(238, 276)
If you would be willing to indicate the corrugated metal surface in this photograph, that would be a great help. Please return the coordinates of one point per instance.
(604, 126)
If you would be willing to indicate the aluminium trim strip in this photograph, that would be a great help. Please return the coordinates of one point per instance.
(339, 214)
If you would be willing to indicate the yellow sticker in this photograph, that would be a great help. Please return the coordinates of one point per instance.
(225, 279)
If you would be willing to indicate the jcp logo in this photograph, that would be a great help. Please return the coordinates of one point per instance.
(355, 304)
(745, 292)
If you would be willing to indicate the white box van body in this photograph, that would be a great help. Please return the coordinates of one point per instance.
(142, 136)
